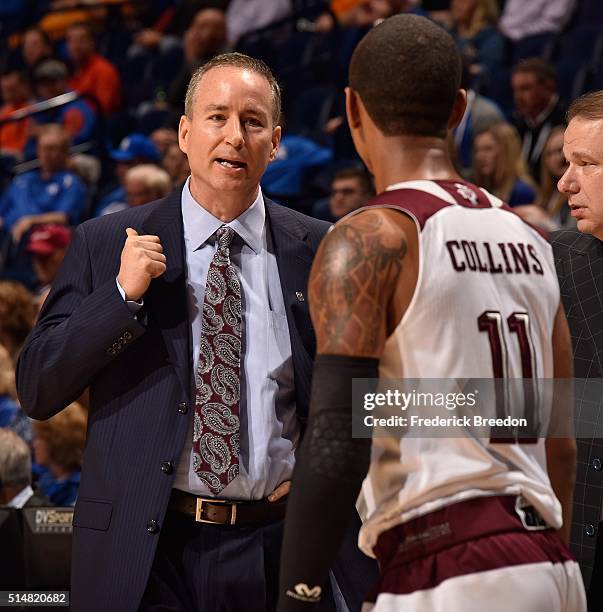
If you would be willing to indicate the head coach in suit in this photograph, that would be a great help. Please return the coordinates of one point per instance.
(195, 339)
(579, 262)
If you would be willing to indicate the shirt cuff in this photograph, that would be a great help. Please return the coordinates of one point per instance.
(131, 304)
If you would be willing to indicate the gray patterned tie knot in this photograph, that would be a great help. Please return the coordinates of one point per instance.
(225, 236)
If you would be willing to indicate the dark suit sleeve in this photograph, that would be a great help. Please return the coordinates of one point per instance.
(82, 327)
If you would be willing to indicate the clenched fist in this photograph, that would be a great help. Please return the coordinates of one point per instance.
(142, 260)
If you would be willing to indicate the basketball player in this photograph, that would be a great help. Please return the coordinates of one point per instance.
(432, 279)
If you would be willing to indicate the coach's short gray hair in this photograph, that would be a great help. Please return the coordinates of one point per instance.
(236, 60)
(15, 460)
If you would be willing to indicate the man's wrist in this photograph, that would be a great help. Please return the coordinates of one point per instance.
(133, 305)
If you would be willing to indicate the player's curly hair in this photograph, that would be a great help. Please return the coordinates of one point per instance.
(407, 72)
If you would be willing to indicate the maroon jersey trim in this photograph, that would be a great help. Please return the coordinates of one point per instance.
(418, 204)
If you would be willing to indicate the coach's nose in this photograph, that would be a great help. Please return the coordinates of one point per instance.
(568, 183)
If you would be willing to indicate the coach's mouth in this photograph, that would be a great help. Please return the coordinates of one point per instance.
(230, 163)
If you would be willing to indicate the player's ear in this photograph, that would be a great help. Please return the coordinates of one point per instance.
(352, 108)
(458, 109)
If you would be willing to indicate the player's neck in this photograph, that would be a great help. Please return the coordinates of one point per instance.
(408, 158)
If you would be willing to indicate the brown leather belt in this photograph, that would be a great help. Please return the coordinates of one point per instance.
(226, 512)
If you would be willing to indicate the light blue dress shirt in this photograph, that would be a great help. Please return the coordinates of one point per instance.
(269, 428)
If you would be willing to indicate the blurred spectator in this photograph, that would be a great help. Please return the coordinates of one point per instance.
(521, 18)
(94, 75)
(169, 28)
(386, 8)
(47, 245)
(163, 139)
(176, 165)
(203, 39)
(77, 117)
(286, 176)
(87, 167)
(538, 108)
(51, 194)
(146, 183)
(498, 166)
(350, 189)
(480, 114)
(11, 415)
(245, 16)
(17, 316)
(59, 446)
(35, 48)
(15, 472)
(133, 150)
(16, 94)
(552, 167)
(364, 13)
(474, 26)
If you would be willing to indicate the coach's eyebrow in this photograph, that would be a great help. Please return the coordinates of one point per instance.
(215, 107)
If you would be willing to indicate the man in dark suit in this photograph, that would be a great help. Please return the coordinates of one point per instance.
(579, 261)
(195, 340)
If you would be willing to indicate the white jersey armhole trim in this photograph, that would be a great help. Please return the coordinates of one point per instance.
(496, 202)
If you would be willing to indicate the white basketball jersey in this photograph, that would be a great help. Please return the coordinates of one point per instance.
(484, 307)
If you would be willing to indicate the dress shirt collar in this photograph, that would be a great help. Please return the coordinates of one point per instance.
(201, 224)
(19, 500)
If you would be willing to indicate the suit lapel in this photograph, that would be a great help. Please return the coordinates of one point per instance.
(166, 298)
(294, 260)
(586, 271)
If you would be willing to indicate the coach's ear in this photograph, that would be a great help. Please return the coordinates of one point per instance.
(458, 110)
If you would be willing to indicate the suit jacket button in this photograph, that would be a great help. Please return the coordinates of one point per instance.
(182, 407)
(596, 463)
(153, 527)
(589, 530)
(167, 467)
(127, 335)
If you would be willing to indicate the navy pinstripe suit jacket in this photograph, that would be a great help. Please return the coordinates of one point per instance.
(141, 385)
(579, 263)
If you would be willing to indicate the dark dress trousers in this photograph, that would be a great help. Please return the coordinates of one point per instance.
(142, 391)
(579, 263)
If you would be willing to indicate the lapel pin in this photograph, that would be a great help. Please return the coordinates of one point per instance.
(300, 296)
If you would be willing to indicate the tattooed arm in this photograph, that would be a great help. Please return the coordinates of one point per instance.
(353, 279)
(352, 284)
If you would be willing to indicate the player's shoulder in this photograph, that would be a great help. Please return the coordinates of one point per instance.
(418, 199)
(372, 230)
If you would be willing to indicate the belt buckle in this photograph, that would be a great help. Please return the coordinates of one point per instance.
(199, 511)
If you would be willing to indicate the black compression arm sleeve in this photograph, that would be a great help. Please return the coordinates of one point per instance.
(329, 471)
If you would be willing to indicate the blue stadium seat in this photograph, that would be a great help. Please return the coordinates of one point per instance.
(499, 90)
(309, 112)
(579, 43)
(539, 45)
(590, 12)
(571, 78)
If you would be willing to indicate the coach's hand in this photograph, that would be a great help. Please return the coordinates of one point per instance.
(142, 260)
